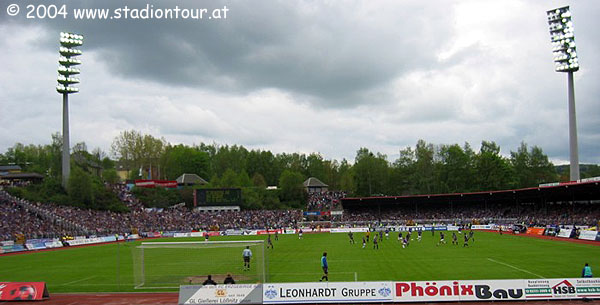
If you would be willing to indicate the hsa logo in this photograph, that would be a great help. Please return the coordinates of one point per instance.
(564, 287)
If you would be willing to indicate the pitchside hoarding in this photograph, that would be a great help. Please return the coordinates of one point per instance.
(328, 292)
(436, 291)
(497, 290)
(562, 288)
(566, 233)
(424, 291)
(221, 294)
(23, 291)
(588, 235)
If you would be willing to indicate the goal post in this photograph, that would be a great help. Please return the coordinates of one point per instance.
(170, 264)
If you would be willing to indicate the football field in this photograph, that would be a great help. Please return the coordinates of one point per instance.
(110, 267)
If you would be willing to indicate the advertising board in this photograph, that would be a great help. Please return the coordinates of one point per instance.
(232, 232)
(482, 227)
(92, 240)
(562, 288)
(35, 245)
(588, 235)
(328, 292)
(53, 244)
(535, 231)
(409, 228)
(497, 290)
(399, 292)
(566, 233)
(220, 294)
(435, 228)
(23, 291)
(441, 291)
(346, 230)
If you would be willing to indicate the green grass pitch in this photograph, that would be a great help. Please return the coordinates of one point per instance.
(109, 268)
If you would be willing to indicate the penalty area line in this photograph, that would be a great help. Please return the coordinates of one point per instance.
(78, 281)
(514, 267)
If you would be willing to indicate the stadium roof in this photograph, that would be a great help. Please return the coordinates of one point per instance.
(7, 168)
(190, 179)
(22, 176)
(314, 182)
(568, 191)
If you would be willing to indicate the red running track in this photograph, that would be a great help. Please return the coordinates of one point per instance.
(172, 299)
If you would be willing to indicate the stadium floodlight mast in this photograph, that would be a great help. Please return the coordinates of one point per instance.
(65, 70)
(565, 60)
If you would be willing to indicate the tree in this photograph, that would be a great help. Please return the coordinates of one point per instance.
(229, 179)
(259, 181)
(135, 150)
(264, 163)
(332, 175)
(424, 175)
(315, 167)
(180, 159)
(371, 172)
(80, 188)
(243, 180)
(227, 157)
(347, 179)
(456, 168)
(542, 169)
(124, 148)
(402, 173)
(531, 167)
(110, 176)
(292, 191)
(42, 159)
(492, 171)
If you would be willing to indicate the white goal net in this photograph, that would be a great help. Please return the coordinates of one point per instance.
(170, 264)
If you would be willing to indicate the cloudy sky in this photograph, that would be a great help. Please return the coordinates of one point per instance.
(305, 76)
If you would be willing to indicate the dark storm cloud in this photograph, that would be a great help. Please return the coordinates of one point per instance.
(378, 74)
(332, 54)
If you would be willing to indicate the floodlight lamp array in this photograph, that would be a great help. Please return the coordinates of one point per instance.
(67, 80)
(67, 52)
(67, 71)
(563, 40)
(69, 39)
(66, 61)
(66, 89)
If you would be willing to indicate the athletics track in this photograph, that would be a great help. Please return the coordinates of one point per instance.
(172, 298)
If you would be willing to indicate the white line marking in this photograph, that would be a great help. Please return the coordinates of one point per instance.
(77, 281)
(311, 273)
(516, 268)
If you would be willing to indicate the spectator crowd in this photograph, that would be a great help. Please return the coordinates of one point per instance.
(527, 214)
(37, 220)
(325, 201)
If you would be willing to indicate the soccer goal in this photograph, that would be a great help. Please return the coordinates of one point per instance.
(170, 264)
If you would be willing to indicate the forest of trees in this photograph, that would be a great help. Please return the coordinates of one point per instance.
(425, 168)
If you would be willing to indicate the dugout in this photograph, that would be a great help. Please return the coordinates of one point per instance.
(571, 195)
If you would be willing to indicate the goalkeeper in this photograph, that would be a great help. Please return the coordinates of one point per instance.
(247, 255)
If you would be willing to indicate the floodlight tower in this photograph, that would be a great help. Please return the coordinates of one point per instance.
(565, 59)
(65, 70)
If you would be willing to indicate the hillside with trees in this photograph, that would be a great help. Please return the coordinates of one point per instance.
(426, 168)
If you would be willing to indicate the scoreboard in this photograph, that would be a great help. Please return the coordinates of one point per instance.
(218, 197)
